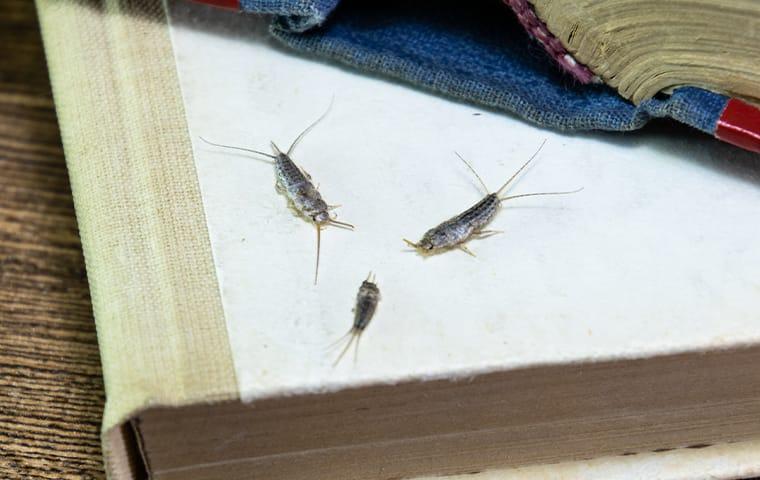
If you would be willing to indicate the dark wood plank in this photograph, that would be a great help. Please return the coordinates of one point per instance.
(51, 391)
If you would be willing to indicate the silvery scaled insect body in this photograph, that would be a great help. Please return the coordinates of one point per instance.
(456, 231)
(297, 186)
(366, 304)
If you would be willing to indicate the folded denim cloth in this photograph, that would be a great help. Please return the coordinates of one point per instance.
(479, 52)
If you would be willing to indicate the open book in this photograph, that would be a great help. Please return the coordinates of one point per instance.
(611, 333)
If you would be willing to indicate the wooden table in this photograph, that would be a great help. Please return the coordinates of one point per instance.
(51, 390)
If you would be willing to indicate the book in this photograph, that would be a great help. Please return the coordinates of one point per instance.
(612, 333)
(643, 48)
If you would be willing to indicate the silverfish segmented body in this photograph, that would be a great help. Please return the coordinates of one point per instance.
(458, 230)
(297, 186)
(301, 193)
(366, 304)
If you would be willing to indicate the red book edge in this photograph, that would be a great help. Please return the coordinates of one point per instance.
(228, 4)
(739, 125)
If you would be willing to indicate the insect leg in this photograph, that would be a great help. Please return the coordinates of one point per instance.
(486, 233)
(341, 224)
(319, 241)
(466, 250)
(305, 174)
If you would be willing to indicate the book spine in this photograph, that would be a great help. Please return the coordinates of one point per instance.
(161, 328)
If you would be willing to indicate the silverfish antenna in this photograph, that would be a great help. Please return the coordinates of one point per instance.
(498, 192)
(308, 129)
(540, 193)
(485, 188)
(232, 147)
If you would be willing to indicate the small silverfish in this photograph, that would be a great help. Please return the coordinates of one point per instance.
(456, 231)
(366, 304)
(297, 186)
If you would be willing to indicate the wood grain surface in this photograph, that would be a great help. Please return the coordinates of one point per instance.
(51, 390)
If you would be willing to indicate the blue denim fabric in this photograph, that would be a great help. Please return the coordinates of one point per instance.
(475, 51)
(292, 15)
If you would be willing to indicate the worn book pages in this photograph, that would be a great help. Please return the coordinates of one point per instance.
(642, 47)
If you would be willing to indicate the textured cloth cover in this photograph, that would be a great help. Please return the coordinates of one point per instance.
(474, 51)
(161, 328)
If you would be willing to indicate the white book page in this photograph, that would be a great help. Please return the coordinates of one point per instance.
(659, 253)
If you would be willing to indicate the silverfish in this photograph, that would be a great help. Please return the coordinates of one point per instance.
(297, 186)
(366, 304)
(456, 231)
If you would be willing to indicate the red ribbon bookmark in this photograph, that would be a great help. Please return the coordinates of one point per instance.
(739, 125)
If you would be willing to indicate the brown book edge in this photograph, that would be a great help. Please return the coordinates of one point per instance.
(538, 415)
